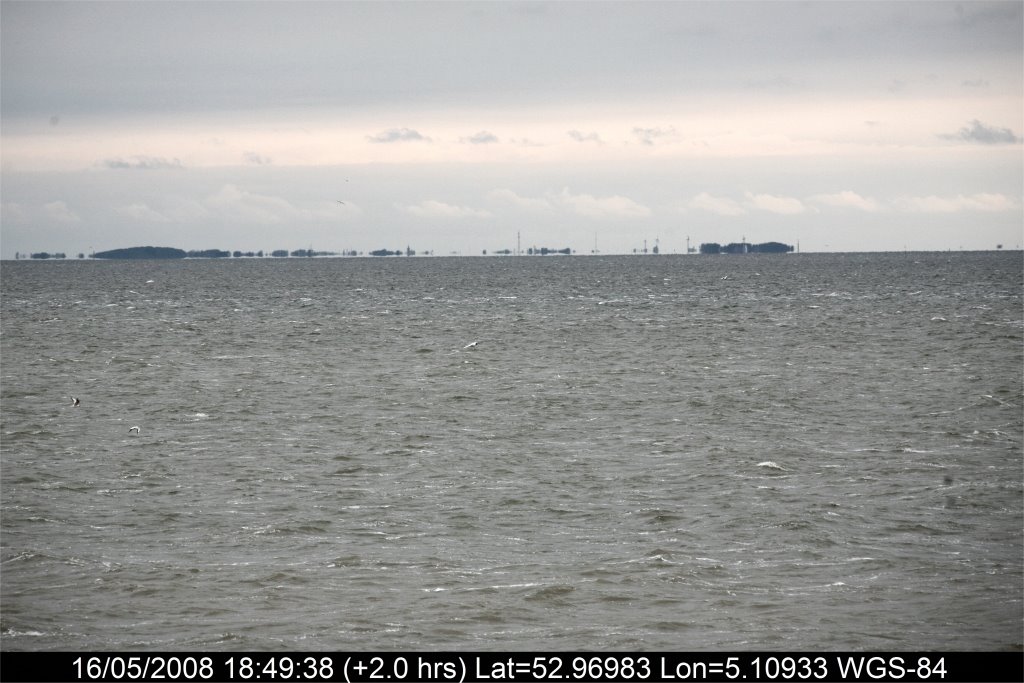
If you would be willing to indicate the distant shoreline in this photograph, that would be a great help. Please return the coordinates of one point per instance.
(705, 249)
(54, 258)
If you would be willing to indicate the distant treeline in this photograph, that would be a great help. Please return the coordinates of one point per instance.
(172, 253)
(744, 248)
(533, 251)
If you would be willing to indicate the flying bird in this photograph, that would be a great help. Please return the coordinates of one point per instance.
(74, 401)
(134, 429)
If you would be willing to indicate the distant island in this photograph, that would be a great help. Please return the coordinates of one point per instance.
(172, 253)
(142, 253)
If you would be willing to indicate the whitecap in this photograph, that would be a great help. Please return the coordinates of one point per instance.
(517, 585)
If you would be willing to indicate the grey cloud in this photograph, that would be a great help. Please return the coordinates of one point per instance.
(978, 132)
(97, 58)
(648, 136)
(398, 135)
(142, 163)
(589, 137)
(985, 15)
(482, 138)
(257, 159)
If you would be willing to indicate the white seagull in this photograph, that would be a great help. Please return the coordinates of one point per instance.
(134, 429)
(74, 401)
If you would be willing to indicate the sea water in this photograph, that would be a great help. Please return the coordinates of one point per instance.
(795, 451)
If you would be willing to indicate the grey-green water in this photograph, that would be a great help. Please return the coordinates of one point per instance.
(735, 452)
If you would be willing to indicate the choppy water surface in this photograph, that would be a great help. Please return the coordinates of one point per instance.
(735, 452)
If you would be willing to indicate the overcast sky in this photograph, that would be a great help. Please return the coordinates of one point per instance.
(454, 126)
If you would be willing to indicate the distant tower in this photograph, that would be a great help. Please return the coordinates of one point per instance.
(519, 248)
